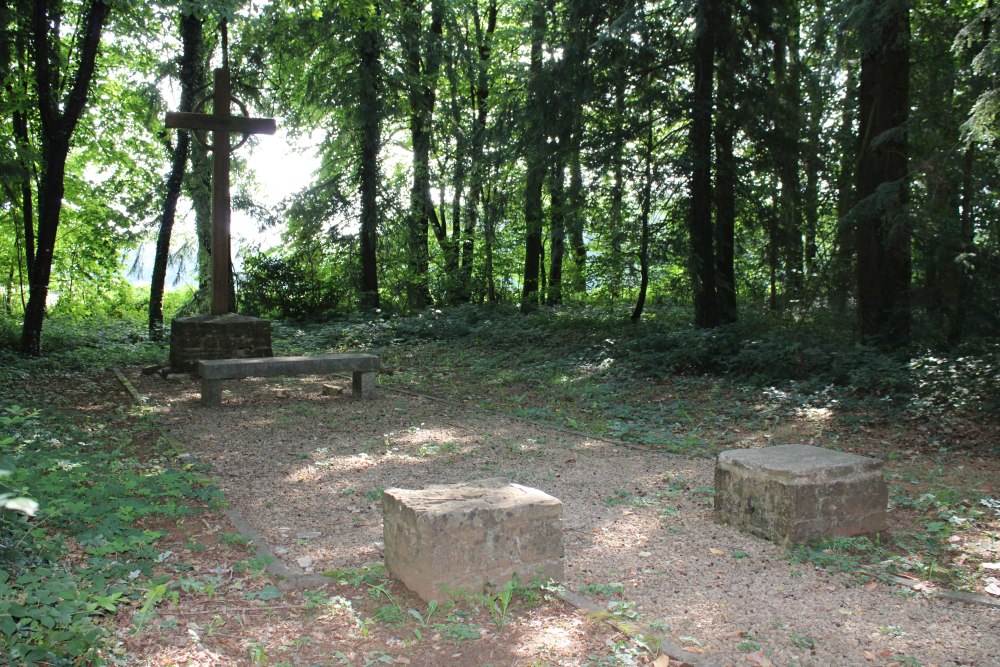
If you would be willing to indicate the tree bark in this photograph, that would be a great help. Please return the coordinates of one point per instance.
(422, 70)
(557, 233)
(724, 231)
(191, 54)
(847, 143)
(368, 43)
(883, 274)
(706, 310)
(58, 122)
(644, 210)
(484, 47)
(536, 158)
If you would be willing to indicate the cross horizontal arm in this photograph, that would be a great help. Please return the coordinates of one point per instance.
(213, 123)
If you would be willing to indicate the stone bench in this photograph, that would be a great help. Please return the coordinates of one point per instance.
(214, 371)
(458, 538)
(796, 493)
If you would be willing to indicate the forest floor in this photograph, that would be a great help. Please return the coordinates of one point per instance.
(306, 471)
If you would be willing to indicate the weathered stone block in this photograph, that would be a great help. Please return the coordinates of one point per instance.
(462, 537)
(229, 336)
(795, 493)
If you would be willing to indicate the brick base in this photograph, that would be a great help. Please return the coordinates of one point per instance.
(228, 336)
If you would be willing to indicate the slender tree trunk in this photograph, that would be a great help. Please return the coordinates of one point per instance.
(618, 193)
(881, 179)
(846, 236)
(725, 222)
(58, 121)
(536, 158)
(422, 70)
(644, 211)
(484, 46)
(575, 223)
(489, 234)
(725, 168)
(706, 309)
(966, 235)
(191, 45)
(557, 235)
(788, 79)
(369, 47)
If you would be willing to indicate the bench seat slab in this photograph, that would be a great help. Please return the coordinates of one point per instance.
(214, 371)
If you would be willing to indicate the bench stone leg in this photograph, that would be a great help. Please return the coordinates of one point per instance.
(363, 384)
(211, 393)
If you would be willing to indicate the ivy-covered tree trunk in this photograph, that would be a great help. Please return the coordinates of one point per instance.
(706, 308)
(191, 54)
(58, 120)
(368, 44)
(881, 180)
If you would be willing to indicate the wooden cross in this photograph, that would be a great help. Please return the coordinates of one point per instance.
(221, 123)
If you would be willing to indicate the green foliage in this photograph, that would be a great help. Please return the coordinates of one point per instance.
(90, 496)
(292, 288)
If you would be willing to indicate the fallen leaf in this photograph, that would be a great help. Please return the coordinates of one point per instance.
(845, 612)
(662, 661)
(731, 635)
(871, 585)
(717, 552)
(868, 655)
(991, 566)
(692, 649)
(993, 589)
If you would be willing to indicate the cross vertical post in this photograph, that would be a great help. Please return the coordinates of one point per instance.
(221, 202)
(221, 123)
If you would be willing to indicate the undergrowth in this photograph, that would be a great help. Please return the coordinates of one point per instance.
(81, 555)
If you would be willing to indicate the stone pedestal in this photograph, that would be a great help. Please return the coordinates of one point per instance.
(796, 493)
(229, 336)
(462, 537)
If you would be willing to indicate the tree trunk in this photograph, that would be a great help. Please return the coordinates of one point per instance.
(883, 274)
(58, 121)
(847, 143)
(576, 221)
(789, 101)
(706, 310)
(618, 193)
(191, 44)
(725, 168)
(557, 235)
(422, 70)
(484, 46)
(645, 206)
(536, 158)
(368, 43)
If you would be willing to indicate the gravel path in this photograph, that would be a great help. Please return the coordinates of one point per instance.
(305, 470)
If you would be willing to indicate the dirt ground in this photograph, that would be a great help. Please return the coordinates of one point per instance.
(305, 471)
